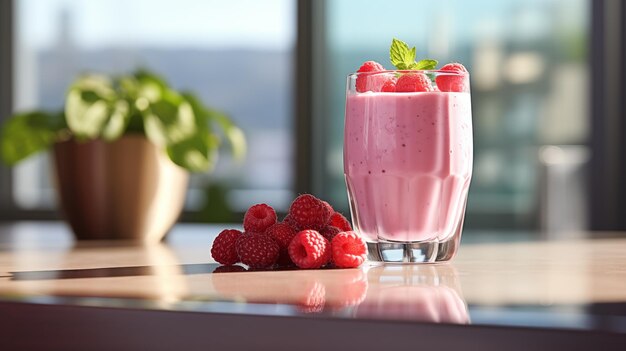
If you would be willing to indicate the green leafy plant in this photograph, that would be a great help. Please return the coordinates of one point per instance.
(103, 107)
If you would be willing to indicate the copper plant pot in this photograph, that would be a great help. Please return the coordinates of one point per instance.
(127, 189)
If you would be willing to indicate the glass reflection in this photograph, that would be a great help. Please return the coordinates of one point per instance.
(414, 292)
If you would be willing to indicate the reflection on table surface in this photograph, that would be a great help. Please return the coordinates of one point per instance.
(424, 293)
(421, 293)
(558, 284)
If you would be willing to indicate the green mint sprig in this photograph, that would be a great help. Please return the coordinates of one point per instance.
(404, 58)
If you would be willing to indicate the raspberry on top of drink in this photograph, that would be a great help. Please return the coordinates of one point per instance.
(411, 75)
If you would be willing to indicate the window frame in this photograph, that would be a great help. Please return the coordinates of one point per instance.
(8, 210)
(607, 76)
(607, 49)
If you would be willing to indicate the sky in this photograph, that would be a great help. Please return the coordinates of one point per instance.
(271, 24)
(215, 23)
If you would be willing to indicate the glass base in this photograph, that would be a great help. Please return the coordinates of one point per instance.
(413, 252)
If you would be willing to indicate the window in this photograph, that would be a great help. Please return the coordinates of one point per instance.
(236, 55)
(529, 67)
(529, 60)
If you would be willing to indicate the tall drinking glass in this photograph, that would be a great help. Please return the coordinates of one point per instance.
(408, 164)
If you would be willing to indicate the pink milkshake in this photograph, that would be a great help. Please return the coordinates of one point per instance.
(408, 165)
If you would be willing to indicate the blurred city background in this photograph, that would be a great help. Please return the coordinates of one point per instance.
(529, 64)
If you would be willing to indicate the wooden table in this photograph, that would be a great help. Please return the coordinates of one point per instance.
(56, 294)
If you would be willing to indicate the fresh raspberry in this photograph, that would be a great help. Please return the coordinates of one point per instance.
(309, 212)
(257, 250)
(348, 250)
(229, 269)
(452, 82)
(339, 221)
(389, 86)
(258, 218)
(283, 259)
(224, 249)
(282, 234)
(292, 223)
(410, 82)
(329, 232)
(362, 79)
(328, 206)
(371, 66)
(309, 249)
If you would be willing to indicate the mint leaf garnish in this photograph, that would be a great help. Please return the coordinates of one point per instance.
(424, 64)
(403, 57)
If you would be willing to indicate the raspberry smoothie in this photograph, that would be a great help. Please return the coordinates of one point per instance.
(408, 163)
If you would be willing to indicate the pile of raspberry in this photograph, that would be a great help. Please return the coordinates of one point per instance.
(312, 235)
(372, 78)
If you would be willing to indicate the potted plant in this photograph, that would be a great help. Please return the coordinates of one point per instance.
(123, 148)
